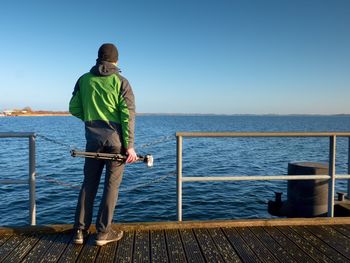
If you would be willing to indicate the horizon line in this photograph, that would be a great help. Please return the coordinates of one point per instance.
(203, 114)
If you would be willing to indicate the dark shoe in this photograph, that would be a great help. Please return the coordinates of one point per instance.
(79, 236)
(111, 236)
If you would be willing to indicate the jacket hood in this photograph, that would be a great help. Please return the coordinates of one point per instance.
(104, 68)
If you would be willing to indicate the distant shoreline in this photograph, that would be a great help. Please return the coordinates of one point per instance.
(42, 114)
(37, 114)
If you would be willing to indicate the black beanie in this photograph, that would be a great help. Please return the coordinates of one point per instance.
(108, 52)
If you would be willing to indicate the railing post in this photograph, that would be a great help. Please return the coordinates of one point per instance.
(179, 178)
(331, 184)
(32, 206)
(348, 196)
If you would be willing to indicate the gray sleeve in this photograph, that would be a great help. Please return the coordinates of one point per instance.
(127, 113)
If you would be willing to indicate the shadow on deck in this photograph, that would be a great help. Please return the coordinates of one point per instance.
(278, 240)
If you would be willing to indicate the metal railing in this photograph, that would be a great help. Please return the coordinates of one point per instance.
(31, 179)
(331, 174)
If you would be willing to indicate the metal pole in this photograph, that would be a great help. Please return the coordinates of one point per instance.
(32, 206)
(348, 197)
(331, 184)
(179, 178)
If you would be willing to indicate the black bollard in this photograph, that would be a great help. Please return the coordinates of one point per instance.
(307, 198)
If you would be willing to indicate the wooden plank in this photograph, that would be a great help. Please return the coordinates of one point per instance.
(175, 250)
(141, 247)
(39, 229)
(332, 239)
(158, 246)
(275, 248)
(40, 248)
(89, 251)
(243, 250)
(192, 249)
(287, 244)
(56, 250)
(316, 242)
(232, 223)
(10, 245)
(303, 244)
(336, 236)
(346, 226)
(334, 233)
(107, 253)
(224, 247)
(22, 249)
(254, 243)
(125, 248)
(71, 252)
(343, 230)
(186, 225)
(207, 245)
(293, 249)
(3, 238)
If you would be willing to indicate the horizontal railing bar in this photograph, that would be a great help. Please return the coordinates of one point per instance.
(5, 181)
(342, 176)
(263, 177)
(253, 178)
(16, 134)
(262, 134)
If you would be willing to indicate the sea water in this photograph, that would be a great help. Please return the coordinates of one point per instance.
(149, 194)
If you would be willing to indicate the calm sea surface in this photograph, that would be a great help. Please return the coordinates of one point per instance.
(149, 194)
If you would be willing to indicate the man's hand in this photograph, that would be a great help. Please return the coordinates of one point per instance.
(132, 156)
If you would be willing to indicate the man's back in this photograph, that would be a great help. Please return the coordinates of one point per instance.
(104, 99)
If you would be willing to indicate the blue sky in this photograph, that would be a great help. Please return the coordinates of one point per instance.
(223, 57)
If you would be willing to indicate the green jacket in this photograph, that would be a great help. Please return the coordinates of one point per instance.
(104, 100)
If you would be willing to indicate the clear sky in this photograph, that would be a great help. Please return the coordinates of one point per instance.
(229, 57)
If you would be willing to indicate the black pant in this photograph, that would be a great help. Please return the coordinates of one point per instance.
(92, 175)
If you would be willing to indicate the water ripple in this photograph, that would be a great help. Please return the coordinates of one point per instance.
(59, 174)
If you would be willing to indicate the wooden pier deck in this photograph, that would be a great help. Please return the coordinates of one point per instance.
(280, 240)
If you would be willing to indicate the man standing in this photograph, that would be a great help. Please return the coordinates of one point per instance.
(104, 100)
